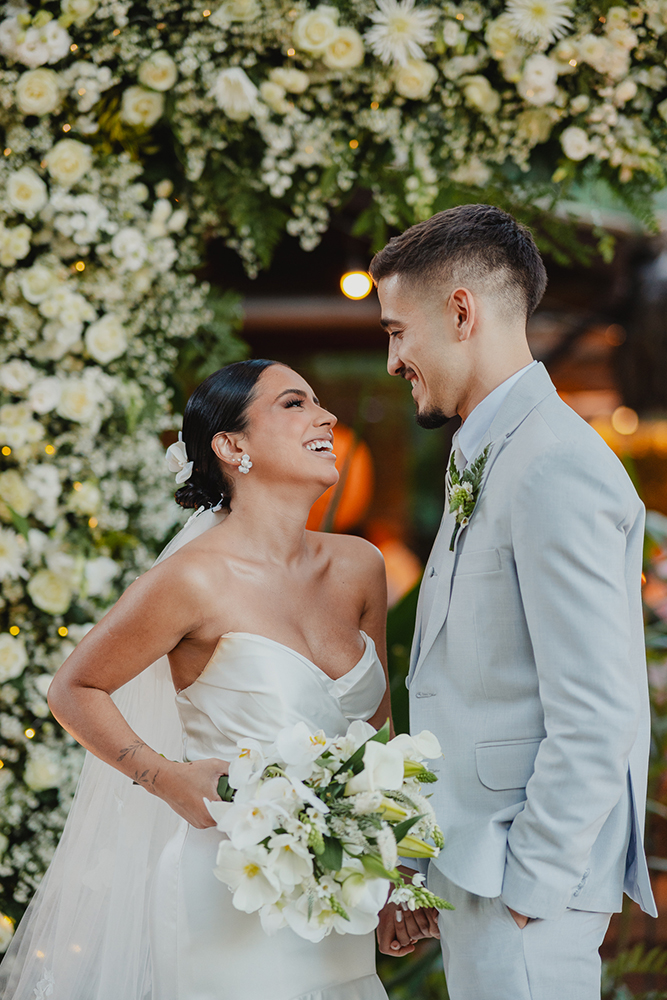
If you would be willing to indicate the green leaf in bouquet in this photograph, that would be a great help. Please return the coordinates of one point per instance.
(355, 763)
(225, 790)
(332, 855)
(373, 865)
(403, 828)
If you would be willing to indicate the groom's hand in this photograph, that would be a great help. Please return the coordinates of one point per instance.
(399, 929)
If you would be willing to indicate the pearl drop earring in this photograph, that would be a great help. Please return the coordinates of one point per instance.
(246, 465)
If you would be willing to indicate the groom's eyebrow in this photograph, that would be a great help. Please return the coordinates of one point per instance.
(386, 323)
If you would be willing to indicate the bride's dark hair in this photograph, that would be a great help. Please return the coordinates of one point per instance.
(220, 403)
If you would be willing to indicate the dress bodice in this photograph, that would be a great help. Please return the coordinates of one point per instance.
(252, 687)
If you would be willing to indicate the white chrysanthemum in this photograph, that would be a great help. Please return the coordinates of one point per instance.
(11, 556)
(540, 20)
(399, 30)
(235, 93)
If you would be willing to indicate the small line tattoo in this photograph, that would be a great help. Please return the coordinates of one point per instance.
(131, 750)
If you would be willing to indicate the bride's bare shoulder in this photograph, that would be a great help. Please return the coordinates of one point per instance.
(356, 554)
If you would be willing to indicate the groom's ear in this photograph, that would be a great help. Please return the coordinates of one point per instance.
(227, 448)
(461, 305)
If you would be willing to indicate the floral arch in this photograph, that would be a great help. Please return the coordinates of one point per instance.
(133, 130)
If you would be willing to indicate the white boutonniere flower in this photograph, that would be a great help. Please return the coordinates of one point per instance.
(177, 460)
(464, 491)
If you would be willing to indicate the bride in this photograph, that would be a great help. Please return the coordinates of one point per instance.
(259, 624)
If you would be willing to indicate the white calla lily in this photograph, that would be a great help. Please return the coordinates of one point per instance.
(383, 769)
(423, 745)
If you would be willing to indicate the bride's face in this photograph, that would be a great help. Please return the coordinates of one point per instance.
(289, 435)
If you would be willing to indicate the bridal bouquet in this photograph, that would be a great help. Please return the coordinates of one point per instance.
(316, 827)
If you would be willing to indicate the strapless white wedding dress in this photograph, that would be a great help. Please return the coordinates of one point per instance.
(201, 947)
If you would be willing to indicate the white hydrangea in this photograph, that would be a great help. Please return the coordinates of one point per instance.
(14, 243)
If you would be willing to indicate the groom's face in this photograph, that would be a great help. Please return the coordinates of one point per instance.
(423, 348)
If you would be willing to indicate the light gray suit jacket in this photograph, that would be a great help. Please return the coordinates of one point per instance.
(529, 665)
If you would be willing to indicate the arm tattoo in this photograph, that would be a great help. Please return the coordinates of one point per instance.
(131, 750)
(145, 779)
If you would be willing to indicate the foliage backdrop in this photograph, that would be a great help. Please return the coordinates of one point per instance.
(132, 131)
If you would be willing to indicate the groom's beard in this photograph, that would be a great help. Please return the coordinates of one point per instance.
(431, 419)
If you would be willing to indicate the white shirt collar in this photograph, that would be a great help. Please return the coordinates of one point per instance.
(471, 433)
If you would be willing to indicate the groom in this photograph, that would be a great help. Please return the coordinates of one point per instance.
(528, 656)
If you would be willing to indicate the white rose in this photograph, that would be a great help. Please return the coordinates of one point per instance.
(77, 400)
(415, 79)
(235, 10)
(50, 592)
(14, 243)
(294, 81)
(576, 144)
(37, 283)
(106, 339)
(78, 11)
(68, 161)
(43, 769)
(16, 375)
(158, 71)
(479, 94)
(662, 109)
(44, 394)
(235, 93)
(12, 554)
(500, 37)
(141, 107)
(38, 92)
(99, 575)
(274, 95)
(345, 51)
(26, 192)
(32, 50)
(129, 246)
(624, 92)
(13, 657)
(14, 492)
(538, 82)
(17, 426)
(85, 500)
(317, 29)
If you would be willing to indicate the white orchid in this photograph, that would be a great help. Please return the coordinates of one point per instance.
(248, 766)
(418, 747)
(177, 460)
(290, 859)
(299, 749)
(249, 875)
(249, 823)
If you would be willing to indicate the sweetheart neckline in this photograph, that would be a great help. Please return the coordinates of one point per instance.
(368, 642)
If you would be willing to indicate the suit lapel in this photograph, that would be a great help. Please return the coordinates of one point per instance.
(522, 399)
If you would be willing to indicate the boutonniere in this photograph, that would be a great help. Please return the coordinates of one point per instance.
(464, 491)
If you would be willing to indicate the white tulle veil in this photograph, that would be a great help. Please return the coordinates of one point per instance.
(85, 933)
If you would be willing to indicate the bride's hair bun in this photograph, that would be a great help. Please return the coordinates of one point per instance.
(220, 403)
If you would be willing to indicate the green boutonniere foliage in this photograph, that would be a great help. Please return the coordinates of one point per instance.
(464, 491)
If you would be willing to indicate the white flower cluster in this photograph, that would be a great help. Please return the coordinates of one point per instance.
(316, 826)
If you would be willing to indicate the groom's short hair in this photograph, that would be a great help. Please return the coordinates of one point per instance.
(469, 244)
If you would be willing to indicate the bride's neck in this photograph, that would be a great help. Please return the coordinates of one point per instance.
(269, 524)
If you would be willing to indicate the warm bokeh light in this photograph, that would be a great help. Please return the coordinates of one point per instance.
(356, 284)
(77, 486)
(92, 522)
(624, 420)
(30, 733)
(63, 630)
(14, 630)
(6, 450)
(49, 449)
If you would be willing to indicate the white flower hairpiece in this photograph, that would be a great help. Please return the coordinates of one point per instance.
(177, 460)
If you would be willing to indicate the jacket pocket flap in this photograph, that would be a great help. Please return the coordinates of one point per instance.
(506, 763)
(482, 561)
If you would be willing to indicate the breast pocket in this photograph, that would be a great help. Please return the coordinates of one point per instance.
(503, 764)
(482, 561)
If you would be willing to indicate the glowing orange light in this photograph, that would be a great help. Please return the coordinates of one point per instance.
(291, 52)
(73, 47)
(354, 144)
(30, 733)
(356, 284)
(63, 630)
(352, 494)
(643, 579)
(92, 522)
(77, 486)
(624, 420)
(80, 266)
(67, 128)
(14, 630)
(7, 151)
(6, 450)
(375, 105)
(49, 449)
